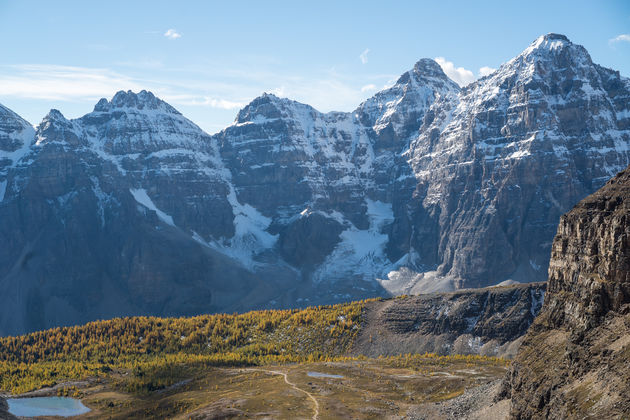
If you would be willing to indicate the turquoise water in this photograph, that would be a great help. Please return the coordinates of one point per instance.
(323, 375)
(46, 406)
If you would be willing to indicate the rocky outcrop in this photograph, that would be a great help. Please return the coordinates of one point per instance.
(4, 411)
(490, 321)
(575, 360)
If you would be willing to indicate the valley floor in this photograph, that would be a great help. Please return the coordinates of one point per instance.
(419, 387)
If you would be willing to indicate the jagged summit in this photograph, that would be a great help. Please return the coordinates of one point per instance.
(428, 66)
(54, 118)
(403, 106)
(143, 100)
(551, 60)
(425, 69)
(551, 52)
(554, 44)
(56, 128)
(269, 106)
(54, 115)
(551, 41)
(138, 123)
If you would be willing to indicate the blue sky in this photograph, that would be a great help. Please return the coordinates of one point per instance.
(208, 59)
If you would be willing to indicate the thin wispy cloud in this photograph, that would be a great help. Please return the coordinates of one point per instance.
(197, 100)
(368, 88)
(484, 71)
(620, 38)
(146, 63)
(460, 75)
(66, 83)
(172, 34)
(324, 94)
(364, 56)
(193, 91)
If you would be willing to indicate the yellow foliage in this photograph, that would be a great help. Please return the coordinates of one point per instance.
(153, 348)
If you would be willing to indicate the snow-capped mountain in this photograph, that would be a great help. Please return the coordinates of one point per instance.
(16, 136)
(133, 209)
(395, 114)
(101, 216)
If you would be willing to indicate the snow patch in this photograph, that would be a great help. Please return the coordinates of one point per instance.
(3, 190)
(141, 196)
(534, 265)
(250, 235)
(361, 252)
(26, 136)
(101, 197)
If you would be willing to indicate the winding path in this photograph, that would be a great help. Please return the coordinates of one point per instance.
(294, 386)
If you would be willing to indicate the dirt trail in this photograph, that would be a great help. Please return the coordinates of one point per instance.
(294, 386)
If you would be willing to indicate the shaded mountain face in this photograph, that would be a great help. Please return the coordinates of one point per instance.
(132, 209)
(574, 360)
(100, 219)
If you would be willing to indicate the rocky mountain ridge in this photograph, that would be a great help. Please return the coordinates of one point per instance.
(574, 360)
(489, 321)
(132, 209)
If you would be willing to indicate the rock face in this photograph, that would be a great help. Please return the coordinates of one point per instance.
(489, 321)
(132, 209)
(4, 411)
(575, 360)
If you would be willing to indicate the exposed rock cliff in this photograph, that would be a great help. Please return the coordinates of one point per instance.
(490, 321)
(575, 360)
(4, 411)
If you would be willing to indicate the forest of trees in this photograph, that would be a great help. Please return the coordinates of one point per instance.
(150, 346)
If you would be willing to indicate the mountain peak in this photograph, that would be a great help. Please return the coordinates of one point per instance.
(553, 36)
(548, 53)
(554, 44)
(267, 98)
(428, 67)
(143, 100)
(7, 114)
(54, 118)
(550, 41)
(54, 115)
(268, 106)
(424, 71)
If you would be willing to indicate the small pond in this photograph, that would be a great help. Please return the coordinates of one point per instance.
(323, 375)
(46, 406)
